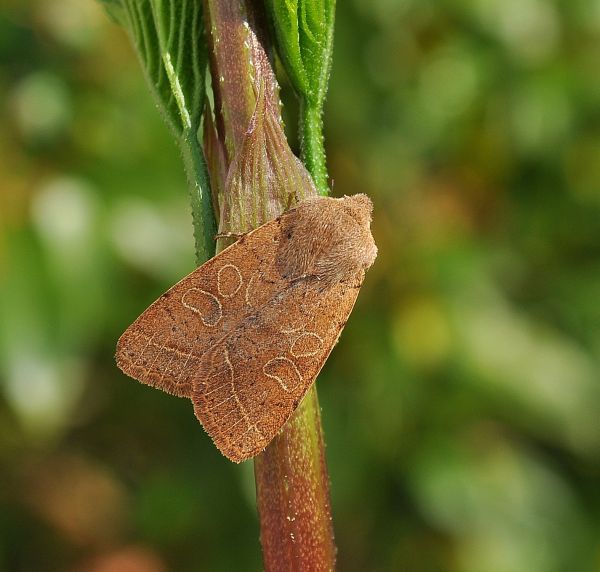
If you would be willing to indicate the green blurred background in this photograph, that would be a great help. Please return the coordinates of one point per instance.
(462, 406)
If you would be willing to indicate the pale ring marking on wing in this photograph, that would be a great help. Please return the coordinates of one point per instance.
(278, 379)
(207, 322)
(305, 335)
(223, 291)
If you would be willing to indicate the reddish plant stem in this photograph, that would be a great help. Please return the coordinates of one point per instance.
(231, 70)
(236, 39)
(292, 482)
(292, 487)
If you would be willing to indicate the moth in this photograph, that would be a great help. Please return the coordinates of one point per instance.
(245, 334)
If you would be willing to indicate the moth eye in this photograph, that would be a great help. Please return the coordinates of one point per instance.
(289, 235)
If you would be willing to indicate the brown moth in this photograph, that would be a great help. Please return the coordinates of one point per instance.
(245, 334)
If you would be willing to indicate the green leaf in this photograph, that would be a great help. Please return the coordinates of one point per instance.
(169, 38)
(168, 35)
(304, 31)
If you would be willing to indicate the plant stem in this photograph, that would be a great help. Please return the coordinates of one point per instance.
(292, 483)
(292, 488)
(232, 67)
(312, 144)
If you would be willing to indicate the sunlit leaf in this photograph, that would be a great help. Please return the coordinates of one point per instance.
(169, 40)
(304, 31)
(168, 35)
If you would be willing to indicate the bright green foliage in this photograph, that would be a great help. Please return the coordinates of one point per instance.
(304, 30)
(168, 36)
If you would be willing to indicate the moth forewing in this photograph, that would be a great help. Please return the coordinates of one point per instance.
(162, 348)
(245, 335)
(251, 383)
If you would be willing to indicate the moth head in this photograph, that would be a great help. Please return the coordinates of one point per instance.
(327, 238)
(360, 209)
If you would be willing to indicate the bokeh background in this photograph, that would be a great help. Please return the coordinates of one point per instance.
(462, 406)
